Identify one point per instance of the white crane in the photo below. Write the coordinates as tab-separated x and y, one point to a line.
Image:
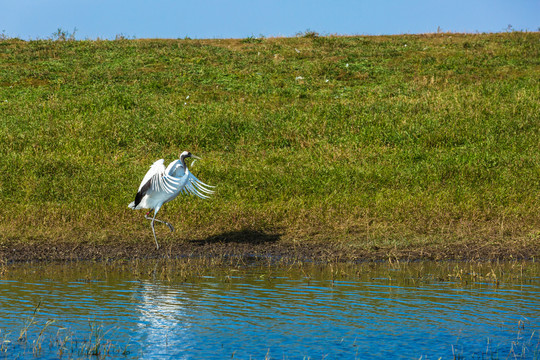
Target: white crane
161	185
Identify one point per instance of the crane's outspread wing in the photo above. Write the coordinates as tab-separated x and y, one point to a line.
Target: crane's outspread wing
155	168
161	185
196	187
156	182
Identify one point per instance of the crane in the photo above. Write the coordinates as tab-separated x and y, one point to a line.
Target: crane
161	185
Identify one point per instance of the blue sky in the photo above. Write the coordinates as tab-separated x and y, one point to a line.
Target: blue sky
33	19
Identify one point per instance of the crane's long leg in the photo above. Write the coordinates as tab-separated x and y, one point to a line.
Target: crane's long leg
161	221
153	230
152	224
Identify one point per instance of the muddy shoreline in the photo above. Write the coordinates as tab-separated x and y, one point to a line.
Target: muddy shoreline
268	247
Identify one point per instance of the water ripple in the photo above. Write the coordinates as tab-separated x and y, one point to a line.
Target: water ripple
253	315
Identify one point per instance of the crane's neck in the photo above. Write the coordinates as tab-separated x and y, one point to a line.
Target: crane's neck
177	168
183	161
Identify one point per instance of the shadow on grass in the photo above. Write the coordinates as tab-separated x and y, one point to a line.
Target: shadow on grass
242	236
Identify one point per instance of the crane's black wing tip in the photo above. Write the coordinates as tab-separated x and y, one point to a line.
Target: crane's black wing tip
142	192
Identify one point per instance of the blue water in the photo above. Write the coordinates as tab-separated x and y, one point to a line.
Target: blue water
260	312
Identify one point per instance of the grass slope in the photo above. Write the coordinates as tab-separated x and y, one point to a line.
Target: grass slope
395	141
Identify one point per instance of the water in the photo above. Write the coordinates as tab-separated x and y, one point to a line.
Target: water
186	310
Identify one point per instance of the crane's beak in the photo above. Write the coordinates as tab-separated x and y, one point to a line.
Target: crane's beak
195	157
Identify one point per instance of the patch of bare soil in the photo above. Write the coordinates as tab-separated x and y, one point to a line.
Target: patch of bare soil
256	245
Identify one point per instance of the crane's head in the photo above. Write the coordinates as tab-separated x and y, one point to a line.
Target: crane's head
187	154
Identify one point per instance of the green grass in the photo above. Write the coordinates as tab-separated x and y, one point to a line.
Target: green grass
395	140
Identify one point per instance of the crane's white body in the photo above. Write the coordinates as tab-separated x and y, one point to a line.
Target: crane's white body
161	185
168	183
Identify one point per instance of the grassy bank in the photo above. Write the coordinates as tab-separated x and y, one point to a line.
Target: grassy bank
374	142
